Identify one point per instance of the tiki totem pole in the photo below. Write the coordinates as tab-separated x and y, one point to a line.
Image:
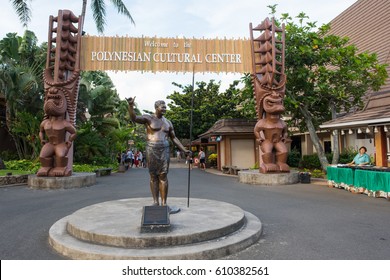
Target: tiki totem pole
61	80
269	82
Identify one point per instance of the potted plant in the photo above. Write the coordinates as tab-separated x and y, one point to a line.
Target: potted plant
212	160
305	176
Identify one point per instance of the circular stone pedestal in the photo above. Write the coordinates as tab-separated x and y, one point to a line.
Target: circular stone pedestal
254	177
208	229
77	180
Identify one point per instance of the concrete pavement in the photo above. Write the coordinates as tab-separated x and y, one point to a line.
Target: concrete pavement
301	221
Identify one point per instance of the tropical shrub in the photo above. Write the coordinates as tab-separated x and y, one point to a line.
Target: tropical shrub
347	155
23	165
293	158
212	159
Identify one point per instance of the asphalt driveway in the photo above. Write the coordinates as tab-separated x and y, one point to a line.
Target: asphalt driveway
300	222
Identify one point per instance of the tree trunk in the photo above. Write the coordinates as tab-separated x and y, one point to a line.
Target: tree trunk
84	8
335	133
314	137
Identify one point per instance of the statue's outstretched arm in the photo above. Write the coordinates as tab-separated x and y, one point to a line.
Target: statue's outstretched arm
133	116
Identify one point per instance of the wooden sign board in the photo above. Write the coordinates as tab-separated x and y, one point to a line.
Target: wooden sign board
165	54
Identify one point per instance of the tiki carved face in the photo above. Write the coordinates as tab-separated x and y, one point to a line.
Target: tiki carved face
273	103
55	104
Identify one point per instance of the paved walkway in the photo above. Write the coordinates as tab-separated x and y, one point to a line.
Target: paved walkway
181	164
300	221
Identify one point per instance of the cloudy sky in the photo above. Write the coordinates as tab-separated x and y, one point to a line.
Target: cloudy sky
171	18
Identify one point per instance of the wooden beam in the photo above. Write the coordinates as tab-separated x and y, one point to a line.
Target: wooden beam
380	147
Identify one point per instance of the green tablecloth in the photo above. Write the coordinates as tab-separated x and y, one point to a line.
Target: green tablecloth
340	175
372	180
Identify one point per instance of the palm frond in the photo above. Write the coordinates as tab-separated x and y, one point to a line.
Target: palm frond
22	10
122	9
98	8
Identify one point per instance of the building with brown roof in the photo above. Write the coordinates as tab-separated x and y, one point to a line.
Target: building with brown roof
236	143
366	24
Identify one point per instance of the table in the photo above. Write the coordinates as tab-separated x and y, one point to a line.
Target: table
370	182
341	175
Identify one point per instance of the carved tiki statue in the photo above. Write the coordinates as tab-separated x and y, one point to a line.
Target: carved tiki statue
61	80
269	83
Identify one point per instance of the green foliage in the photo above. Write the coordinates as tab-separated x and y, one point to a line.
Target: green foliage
25	127
23	165
31	167
23	11
293	158
108	128
310	162
210	105
99	12
99	138
324	70
326	75
89	144
8	155
92	167
246	102
4	172
317	173
347	155
212	159
21	66
84	167
255	167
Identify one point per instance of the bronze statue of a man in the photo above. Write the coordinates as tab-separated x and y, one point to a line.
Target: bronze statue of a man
158	130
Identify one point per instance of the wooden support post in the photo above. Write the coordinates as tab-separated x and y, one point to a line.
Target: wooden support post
380	147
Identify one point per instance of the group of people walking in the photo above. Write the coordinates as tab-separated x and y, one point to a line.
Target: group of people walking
201	158
130	159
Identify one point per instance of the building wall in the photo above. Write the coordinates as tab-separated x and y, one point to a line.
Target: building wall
237	151
222	154
243	152
351	141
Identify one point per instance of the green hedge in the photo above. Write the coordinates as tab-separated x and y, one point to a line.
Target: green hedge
312	161
33	166
23	165
293	158
347	155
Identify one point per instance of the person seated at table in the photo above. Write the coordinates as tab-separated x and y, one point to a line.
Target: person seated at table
361	158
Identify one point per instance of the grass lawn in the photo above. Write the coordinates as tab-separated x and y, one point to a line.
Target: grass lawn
4	172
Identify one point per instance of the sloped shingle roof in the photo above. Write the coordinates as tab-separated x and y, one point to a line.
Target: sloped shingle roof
376	111
366	24
231	126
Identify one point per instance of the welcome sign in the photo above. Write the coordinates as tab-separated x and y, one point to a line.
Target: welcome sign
165	54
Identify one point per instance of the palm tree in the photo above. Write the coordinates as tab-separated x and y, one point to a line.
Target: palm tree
22	10
21	65
98	8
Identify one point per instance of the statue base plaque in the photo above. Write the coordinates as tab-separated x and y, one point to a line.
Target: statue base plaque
155	219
